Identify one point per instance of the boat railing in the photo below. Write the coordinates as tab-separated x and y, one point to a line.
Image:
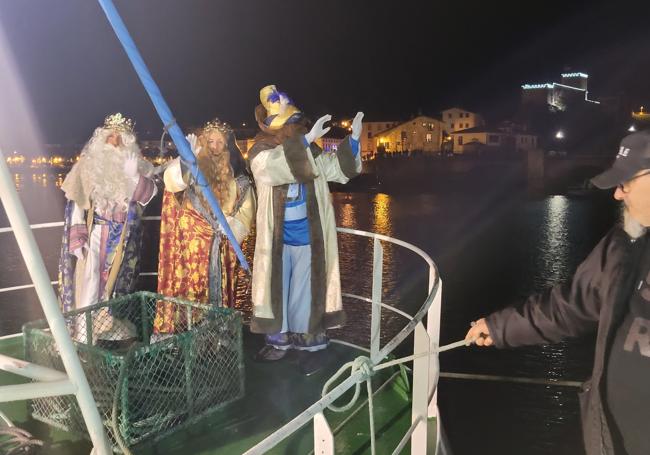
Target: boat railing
48	382
425	362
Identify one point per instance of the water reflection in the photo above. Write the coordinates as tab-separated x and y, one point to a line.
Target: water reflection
347	212
39	180
382	215
532	239
554	247
19	181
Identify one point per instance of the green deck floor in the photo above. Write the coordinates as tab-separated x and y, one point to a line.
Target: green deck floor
275	393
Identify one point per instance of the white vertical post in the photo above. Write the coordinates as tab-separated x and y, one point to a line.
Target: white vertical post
41	279
433	330
421	345
323	437
375	321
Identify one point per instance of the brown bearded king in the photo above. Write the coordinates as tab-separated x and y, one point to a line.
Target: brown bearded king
196	261
106	191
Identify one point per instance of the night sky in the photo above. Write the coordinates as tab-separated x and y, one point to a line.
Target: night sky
389	59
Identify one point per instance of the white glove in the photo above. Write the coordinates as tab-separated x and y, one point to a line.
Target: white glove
317	130
192	139
356	126
131	166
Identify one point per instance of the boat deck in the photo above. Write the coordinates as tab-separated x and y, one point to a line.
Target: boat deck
275	393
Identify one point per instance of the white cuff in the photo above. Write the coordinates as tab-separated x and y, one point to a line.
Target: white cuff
237	228
173	177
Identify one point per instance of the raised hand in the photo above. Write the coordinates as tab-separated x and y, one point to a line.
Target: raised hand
318	129
131	165
357	125
193	140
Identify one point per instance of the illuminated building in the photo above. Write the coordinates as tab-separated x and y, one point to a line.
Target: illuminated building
457	119
368	131
558	95
422	134
506	138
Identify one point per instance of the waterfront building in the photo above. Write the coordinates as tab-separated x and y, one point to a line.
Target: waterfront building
457	119
420	134
506	138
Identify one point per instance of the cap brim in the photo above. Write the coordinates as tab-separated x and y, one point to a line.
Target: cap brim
611	177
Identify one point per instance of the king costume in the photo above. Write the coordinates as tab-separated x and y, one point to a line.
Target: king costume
106	191
196	261
296	289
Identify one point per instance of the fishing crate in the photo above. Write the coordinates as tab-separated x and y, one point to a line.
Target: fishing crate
145	384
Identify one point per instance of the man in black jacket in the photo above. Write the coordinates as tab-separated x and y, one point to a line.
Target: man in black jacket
609	294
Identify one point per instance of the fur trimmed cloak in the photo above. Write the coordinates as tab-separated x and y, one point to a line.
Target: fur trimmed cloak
276	162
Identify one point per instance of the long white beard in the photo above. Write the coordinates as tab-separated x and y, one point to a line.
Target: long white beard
631	226
104	168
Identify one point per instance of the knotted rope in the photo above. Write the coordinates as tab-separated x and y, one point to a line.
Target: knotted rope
365	365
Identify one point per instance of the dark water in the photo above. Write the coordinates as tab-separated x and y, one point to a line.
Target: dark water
491	246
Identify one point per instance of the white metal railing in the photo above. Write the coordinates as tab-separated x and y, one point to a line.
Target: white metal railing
75	381
424	358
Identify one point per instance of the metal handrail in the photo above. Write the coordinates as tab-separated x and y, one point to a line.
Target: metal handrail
413	321
77	382
327	399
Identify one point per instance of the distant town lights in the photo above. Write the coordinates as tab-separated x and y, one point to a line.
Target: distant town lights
575	75
536	86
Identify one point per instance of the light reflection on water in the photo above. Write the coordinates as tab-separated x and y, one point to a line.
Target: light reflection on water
553	260
510	248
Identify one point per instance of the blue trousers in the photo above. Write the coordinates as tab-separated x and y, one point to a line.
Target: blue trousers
296	302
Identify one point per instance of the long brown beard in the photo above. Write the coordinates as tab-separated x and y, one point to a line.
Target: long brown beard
216	168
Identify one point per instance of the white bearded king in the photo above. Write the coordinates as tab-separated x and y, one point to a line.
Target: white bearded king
106	191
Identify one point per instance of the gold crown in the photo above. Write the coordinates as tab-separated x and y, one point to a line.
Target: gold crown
217	125
119	123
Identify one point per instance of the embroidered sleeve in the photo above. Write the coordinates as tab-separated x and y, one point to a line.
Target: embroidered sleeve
145	190
78	236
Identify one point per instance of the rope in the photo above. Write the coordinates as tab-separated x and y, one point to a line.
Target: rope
163	150
365	365
14	440
169	124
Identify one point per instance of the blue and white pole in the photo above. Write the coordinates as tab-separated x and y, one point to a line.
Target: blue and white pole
168	120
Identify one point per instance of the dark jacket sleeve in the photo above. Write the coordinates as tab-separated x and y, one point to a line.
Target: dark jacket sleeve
564	311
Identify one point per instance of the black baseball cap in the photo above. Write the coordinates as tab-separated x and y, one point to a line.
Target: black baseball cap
633	156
